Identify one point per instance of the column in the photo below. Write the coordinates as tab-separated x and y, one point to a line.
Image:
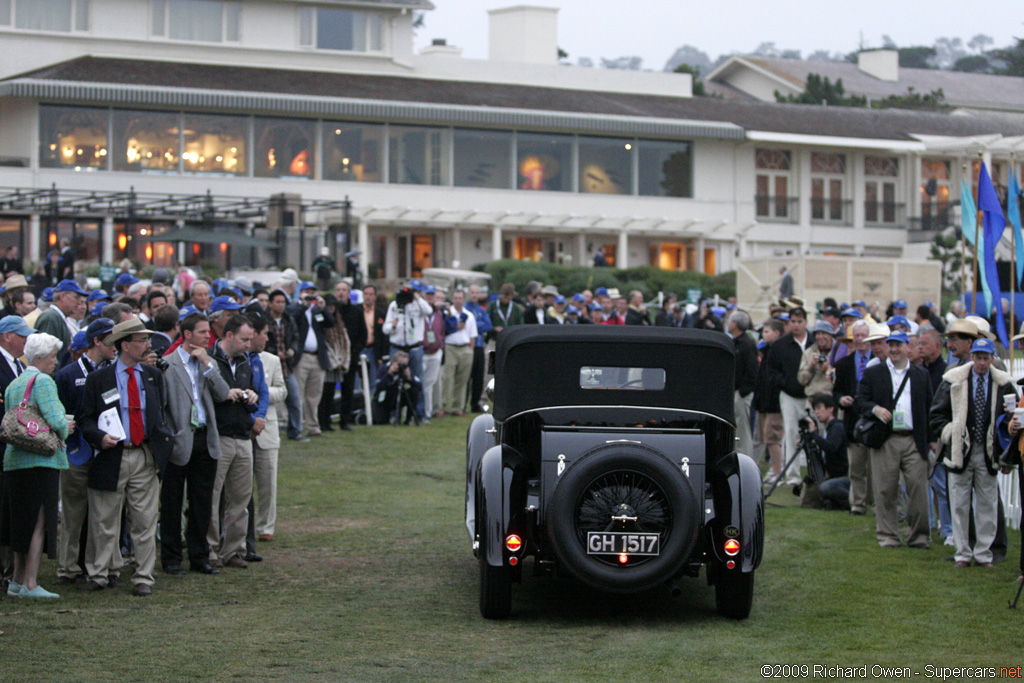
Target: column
803	182
580	258
858	194
456	242
622	252
107	239
700	254
497	243
32	253
363	237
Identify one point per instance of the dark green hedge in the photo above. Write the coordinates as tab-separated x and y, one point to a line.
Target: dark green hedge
571	279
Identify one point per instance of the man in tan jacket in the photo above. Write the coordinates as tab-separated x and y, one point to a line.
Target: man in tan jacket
815	373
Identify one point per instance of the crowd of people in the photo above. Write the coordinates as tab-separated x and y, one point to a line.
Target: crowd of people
171	398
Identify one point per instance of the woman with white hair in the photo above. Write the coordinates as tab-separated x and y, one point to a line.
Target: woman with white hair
28	514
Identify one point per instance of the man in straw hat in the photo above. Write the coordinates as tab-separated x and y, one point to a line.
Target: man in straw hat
15	284
123	418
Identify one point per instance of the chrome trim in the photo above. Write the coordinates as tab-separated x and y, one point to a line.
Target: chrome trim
591	407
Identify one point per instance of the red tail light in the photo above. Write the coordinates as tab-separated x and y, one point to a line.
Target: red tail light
623	558
513	542
732	547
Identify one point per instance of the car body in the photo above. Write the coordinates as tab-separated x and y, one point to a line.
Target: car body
610	455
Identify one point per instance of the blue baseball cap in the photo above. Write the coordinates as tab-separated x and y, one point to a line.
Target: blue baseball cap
851	313
899	336
572	310
898	320
983	345
730	306
306	284
47	295
429	289
125	279
185	311
224	303
823	326
97	294
929	304
559	299
416	284
98	328
601	291
784	317
355	296
79	341
69	286
579	298
594	306
860	302
16	324
761	344
718	311
97	310
899	303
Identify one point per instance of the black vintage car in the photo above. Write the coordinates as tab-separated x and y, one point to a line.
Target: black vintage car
610	455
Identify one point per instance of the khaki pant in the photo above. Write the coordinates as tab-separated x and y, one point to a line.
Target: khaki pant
792	412
310	377
265	468
234	481
741	407
986	496
458	364
139	487
74	503
769	432
861	495
899	454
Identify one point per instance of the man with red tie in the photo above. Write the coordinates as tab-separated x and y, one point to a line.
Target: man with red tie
127	397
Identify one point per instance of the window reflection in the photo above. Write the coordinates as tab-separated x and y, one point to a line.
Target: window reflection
72	137
418	156
544	162
666	169
214	144
145	141
284	148
353	152
483	159
606	166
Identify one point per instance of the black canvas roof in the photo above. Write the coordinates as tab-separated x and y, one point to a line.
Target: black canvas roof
538	366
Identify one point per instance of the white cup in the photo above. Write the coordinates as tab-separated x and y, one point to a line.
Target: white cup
1019	413
1010	401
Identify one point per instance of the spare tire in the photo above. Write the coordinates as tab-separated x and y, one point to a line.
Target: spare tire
629	481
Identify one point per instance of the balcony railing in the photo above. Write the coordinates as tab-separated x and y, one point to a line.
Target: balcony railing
775	209
885	214
831	211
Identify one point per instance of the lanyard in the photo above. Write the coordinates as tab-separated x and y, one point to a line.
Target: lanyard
506	314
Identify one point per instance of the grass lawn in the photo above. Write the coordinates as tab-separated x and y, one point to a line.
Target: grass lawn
370	577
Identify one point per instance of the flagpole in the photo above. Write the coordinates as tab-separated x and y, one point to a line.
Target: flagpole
963	248
977	254
1013	269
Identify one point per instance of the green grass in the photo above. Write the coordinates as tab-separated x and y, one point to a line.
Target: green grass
370	578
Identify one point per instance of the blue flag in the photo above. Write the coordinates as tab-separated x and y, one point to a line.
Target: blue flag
1013	215
994	224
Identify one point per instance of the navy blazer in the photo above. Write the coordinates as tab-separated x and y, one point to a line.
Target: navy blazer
6	377
106	466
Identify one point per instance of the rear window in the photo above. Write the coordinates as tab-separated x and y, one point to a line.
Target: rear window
622	379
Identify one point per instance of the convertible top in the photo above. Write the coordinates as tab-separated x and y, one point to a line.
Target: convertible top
538	366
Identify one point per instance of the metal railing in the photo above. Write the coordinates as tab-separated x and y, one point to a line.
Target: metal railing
776	209
885	214
831	211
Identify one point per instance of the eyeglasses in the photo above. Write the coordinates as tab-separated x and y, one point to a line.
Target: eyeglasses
138	341
963	337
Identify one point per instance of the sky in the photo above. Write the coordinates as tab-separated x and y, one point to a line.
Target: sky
653	29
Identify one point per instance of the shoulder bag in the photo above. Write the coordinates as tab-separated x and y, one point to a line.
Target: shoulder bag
871	431
26	429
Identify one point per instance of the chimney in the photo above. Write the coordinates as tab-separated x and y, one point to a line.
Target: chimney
883	63
524	33
440	47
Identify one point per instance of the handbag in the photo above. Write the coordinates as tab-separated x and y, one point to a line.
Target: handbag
871	431
26	429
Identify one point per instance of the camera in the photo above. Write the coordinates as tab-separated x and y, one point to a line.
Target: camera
402	367
161	365
822	357
404	297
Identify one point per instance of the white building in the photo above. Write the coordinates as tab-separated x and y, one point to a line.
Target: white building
241	128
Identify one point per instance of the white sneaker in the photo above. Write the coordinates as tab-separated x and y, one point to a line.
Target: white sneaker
37	592
15	589
948	541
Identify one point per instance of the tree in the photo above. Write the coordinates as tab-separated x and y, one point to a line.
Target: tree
1011	59
633	63
933	101
948	51
825	56
919	57
980	42
688	54
820	90
946	249
698	85
974	64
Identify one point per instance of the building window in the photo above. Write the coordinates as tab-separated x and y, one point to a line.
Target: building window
606	166
482	159
353	151
285	148
45	15
146	142
827	173
772	181
880	189
935	177
339	29
665	169
215	145
201	21
73	137
544	162
418	156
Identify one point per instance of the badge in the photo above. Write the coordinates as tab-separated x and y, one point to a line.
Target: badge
431	337
899	420
318	317
80	382
110	396
194	417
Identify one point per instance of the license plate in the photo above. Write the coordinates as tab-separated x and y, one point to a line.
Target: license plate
618	543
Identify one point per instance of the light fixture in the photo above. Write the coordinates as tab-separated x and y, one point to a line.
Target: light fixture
629	146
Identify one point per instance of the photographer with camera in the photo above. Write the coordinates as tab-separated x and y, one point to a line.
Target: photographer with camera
826	439
815	373
405	324
397	387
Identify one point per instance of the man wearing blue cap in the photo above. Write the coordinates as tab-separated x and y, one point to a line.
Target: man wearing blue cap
970	416
57	320
899	395
123	282
74	481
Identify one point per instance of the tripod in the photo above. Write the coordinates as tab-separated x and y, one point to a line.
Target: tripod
815	466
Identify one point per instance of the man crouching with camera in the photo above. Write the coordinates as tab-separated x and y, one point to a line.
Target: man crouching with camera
397	388
826	441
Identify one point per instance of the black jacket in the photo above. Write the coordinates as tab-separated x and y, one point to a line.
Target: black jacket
106	465
321	321
282	338
635	317
6	377
234	418
766	395
833	447
784	363
355	325
746	364
876	389
845	384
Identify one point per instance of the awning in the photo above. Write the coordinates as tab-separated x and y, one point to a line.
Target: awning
207	237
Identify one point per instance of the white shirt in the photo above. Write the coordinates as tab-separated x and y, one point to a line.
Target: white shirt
466	334
904	403
11	361
408	326
309	346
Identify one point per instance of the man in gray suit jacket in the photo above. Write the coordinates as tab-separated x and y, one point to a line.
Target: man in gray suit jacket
193	382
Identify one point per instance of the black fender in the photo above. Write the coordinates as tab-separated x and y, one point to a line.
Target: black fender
501	485
739	510
479	437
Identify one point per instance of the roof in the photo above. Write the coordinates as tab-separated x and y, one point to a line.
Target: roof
961	89
420	100
539	366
